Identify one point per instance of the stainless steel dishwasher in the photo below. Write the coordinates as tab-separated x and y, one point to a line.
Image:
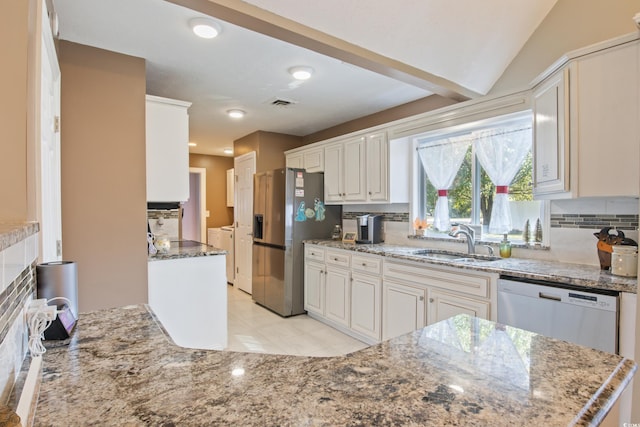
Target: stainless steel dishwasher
565	312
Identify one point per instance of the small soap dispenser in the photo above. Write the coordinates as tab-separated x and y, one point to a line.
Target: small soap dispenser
505	247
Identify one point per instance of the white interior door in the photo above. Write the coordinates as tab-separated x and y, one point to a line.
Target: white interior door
50	198
244	167
194	210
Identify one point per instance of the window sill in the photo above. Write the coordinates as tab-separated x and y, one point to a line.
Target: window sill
492	243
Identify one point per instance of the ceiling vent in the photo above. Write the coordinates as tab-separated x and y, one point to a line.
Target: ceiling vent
281	102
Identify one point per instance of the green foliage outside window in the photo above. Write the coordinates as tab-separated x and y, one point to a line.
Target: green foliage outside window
460	193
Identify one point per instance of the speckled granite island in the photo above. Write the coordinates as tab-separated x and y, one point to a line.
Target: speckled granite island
188	294
120	369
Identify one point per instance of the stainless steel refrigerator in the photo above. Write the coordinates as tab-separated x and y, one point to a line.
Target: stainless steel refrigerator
288	207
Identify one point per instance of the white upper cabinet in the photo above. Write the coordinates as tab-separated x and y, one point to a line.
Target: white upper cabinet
167	149
550	131
312	160
586	126
294	161
333	175
361	168
345	171
354	170
377	167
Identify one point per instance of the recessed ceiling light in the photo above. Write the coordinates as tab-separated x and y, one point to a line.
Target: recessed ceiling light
236	114
301	73
228	151
205	28
192	144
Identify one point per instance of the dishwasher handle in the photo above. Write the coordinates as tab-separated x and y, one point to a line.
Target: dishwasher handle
542	295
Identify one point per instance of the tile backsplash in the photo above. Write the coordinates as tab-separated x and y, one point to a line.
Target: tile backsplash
18	257
572	224
13	329
621	222
387	216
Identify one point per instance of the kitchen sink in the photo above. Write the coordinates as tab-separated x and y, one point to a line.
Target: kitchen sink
453	256
437	255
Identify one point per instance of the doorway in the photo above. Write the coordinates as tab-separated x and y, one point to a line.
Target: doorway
49	197
194	217
244	168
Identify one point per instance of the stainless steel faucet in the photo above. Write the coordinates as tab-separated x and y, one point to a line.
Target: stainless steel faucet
470	233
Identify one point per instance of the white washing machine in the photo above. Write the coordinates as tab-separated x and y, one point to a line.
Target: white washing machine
214	236
223	238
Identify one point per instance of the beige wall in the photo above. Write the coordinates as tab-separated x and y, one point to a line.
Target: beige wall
269	148
405	110
103	174
216	166
14	39
570	25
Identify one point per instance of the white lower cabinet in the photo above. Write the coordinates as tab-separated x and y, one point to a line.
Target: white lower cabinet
443	305
403	309
372	298
416	295
337	292
366	304
314	282
342	295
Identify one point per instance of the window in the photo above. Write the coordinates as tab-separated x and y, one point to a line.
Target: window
479	174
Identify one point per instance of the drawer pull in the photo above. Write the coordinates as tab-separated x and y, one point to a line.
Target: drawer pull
364	264
335	259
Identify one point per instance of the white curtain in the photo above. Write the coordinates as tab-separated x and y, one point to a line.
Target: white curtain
441	161
501	153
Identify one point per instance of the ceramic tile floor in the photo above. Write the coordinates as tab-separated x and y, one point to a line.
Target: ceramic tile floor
252	328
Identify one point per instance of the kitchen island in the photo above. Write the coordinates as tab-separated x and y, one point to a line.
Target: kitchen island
188	294
119	368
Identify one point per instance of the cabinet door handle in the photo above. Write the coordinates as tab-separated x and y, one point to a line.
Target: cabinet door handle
430	299
421	298
369	192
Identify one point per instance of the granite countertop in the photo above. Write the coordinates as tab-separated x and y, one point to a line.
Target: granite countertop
120	369
14	232
187	249
588	276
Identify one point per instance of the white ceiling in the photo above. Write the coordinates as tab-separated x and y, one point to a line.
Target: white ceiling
466	41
